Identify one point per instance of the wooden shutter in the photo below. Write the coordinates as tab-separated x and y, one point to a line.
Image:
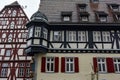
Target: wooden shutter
63	64
110	65
95	67
43	64
76	64
56	64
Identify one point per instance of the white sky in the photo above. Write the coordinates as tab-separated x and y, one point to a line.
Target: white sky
32	5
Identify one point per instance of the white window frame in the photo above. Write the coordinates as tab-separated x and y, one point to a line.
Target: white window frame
117	65
102	68
57	36
50	64
69	64
96	36
71	35
82	36
106	36
37	32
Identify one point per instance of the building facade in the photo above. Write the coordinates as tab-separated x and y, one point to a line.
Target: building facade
14	64
75	40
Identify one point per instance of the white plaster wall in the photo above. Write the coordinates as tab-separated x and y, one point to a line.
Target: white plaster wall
85	68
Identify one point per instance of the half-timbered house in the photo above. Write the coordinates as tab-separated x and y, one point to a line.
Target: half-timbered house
75	40
14	64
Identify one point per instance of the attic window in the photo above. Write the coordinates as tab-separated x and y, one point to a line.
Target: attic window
116	16
82	7
84	16
66	16
114	7
103	19
102	16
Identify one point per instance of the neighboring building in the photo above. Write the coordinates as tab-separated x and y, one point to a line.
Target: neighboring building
14	64
75	40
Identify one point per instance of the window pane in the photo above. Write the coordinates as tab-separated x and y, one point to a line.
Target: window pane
57	36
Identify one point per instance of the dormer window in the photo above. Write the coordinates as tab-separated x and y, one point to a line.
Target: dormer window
101	16
84	16
103	19
116	16
114	7
82	7
66	16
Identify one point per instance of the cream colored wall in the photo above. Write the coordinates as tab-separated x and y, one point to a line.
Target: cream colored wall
85	68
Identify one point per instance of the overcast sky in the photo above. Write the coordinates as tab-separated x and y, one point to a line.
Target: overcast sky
32	5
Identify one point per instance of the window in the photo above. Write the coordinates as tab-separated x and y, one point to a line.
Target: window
117	64
14	13
50	64
101	16
45	32
101	65
103	19
107	64
84	18
12	25
106	36
82	7
8	52
96	36
71	35
37	32
4	22
10	38
24	35
81	36
69	64
4	70
30	32
24	70
57	36
114	7
66	16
